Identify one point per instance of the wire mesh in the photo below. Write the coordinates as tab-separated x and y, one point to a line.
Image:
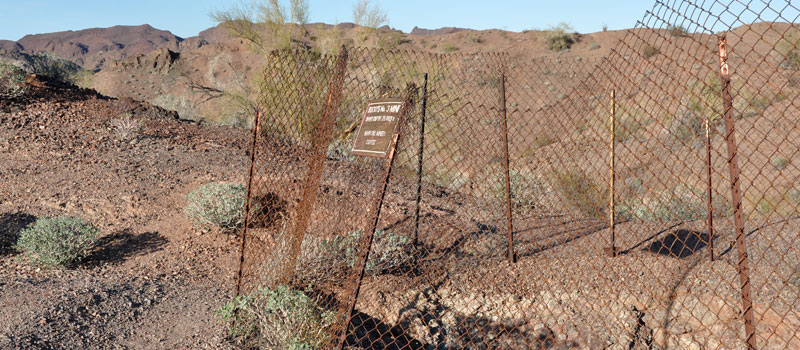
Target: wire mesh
646	200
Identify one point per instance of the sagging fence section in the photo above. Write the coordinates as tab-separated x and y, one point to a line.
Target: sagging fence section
650	199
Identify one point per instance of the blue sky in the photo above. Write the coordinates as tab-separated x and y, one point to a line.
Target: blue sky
187	17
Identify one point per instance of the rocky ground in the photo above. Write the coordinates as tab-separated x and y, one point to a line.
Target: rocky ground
152	281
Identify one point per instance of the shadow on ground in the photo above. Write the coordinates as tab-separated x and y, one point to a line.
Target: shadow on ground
10	226
120	246
679	243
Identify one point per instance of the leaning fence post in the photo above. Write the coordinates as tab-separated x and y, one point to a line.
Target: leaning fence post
736	195
368	236
504	115
322	137
247	204
612	251
421	157
710	203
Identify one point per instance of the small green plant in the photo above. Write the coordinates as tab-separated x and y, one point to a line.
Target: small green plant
448	47
779	162
677	31
544	140
278	318
580	193
217	205
594	46
475	38
527	191
12	81
679	203
389	250
57	242
789	48
560	37
648	51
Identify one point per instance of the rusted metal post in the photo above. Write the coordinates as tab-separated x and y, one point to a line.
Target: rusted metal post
504	115
612	224
256	128
710	199
421	157
369	234
736	195
322	137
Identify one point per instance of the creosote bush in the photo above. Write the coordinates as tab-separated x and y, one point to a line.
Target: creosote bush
677	31
279	318
217	205
560	37
12	81
649	51
580	193
57	242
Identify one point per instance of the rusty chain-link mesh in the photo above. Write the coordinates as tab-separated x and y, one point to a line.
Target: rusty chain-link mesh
648	200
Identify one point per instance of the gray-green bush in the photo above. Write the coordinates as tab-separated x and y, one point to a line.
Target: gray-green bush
57	242
389	251
679	203
217	205
279	318
12	81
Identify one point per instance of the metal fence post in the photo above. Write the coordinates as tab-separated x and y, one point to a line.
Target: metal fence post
322	137
421	157
504	115
736	195
256	128
710	199
612	251
369	234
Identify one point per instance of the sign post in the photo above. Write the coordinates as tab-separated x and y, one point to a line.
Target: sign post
377	137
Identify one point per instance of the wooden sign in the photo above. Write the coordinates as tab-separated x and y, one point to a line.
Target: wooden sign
378	127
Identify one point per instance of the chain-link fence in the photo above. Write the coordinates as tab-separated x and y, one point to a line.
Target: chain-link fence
648	200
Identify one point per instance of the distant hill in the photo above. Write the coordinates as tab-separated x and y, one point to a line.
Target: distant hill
93	48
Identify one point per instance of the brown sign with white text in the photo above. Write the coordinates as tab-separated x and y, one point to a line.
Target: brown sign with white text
378	127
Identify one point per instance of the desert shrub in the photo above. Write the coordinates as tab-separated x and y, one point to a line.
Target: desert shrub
630	122
594	46
448	47
677	31
217	205
648	51
580	193
789	48
779	162
388	252
57	242
679	203
277	318
12	81
475	38
55	67
527	191
560	37
125	126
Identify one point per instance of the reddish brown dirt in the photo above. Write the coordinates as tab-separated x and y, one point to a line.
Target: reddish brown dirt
152	281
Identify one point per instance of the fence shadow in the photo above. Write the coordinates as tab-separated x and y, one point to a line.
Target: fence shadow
680	243
122	245
10	226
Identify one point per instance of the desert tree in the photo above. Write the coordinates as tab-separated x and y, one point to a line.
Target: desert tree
367	17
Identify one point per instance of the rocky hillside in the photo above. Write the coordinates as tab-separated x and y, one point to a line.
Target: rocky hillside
93	48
